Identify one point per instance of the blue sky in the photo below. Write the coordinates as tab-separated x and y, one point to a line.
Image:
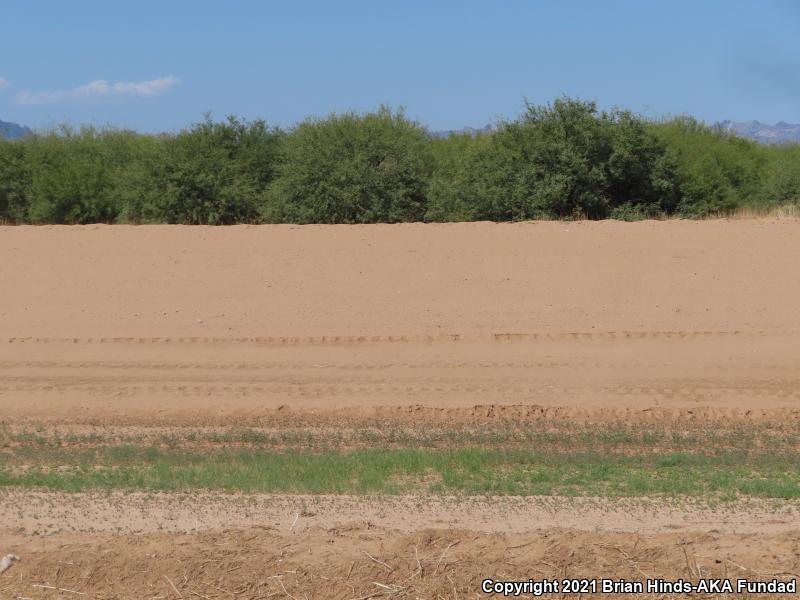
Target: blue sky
160	65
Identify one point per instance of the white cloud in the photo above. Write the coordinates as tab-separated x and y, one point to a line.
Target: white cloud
100	89
4	83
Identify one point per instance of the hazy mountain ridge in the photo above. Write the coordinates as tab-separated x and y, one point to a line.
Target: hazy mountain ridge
780	133
12	131
464	131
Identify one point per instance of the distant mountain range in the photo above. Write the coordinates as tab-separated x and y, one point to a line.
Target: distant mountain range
463	131
780	133
12	131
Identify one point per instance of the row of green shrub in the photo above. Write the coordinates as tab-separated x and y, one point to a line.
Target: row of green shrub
563	160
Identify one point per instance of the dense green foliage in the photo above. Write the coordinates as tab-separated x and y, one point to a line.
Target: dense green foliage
717	172
352	169
563	160
77	177
213	173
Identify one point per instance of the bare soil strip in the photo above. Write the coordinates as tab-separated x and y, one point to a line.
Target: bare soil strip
472	279
227	379
46	513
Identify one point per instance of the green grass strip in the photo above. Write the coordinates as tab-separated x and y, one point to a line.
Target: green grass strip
459	471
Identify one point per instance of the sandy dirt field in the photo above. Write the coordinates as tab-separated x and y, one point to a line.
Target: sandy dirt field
153	328
195	322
